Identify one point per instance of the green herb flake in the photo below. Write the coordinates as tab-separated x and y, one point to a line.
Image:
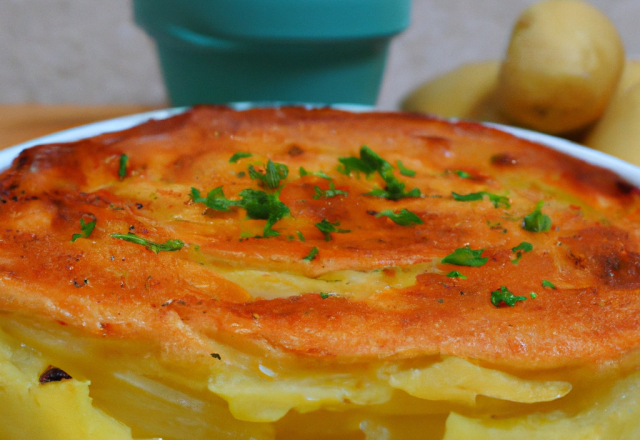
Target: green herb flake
327	228
370	162
498	201
215	199
328	193
404	170
167	246
463	174
321	174
216	356
312	254
533	295
524	246
456	274
258	204
85	230
403	218
549	284
537	221
503	295
122	170
262	206
274	173
300	236
466	257
324	295
520	249
239	155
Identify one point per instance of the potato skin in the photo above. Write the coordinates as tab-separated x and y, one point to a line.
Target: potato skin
630	77
467	92
618	131
116	289
562	66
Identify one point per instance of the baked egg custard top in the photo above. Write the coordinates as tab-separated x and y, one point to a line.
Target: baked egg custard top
326	235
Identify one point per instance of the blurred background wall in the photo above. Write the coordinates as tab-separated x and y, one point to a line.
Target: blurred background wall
90	52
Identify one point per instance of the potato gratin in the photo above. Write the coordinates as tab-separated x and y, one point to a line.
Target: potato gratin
316	274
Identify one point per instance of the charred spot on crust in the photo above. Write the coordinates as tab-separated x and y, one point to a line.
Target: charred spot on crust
625	187
504	159
295	150
53	374
22	162
604	252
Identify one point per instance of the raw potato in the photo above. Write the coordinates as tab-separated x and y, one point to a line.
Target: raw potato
466	92
618	131
630	77
562	66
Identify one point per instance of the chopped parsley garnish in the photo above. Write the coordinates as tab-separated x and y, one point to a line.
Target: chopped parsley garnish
239	155
403	218
258	204
312	254
327	228
497	200
324	295
300	236
404	170
533	295
262	206
394	192
304	172
522	247
369	162
85	230
456	274
216	356
503	295
549	284
215	199
466	257
328	193
122	170
167	246
462	174
274	173
537	221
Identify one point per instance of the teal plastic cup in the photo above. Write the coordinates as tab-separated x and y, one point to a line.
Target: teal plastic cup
318	51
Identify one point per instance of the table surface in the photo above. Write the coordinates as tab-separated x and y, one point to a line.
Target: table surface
22	122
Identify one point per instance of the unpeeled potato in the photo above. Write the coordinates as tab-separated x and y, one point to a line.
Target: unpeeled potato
630	76
467	92
455	93
561	67
618	131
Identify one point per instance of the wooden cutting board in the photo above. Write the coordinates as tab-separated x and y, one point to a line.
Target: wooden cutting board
22	122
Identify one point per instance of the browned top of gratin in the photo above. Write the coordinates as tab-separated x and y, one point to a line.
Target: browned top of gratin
304	204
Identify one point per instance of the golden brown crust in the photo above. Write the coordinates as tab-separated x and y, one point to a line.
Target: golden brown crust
115	288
